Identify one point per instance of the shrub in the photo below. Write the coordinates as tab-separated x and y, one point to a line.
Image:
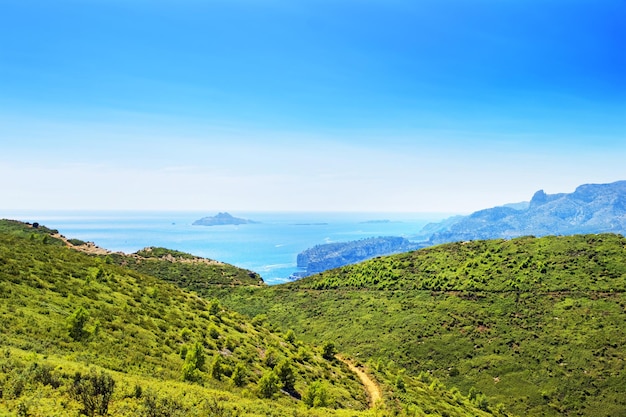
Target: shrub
284	371
239	375
214	307
329	351
213	332
153	406
185	334
93	391
271	358
217	369
194	363
290	336
400	384
268	385
316	395
76	323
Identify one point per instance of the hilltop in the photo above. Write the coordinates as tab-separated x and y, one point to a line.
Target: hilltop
535	324
84	334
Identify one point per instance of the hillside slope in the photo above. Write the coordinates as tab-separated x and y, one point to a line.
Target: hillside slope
537	324
81	335
82	312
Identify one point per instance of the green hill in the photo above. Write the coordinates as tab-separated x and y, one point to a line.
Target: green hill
185	270
82	335
537	324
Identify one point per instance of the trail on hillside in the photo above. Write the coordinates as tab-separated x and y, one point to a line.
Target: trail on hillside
373	389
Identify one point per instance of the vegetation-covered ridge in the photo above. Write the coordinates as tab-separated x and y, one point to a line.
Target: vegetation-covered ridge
81	335
181	268
185	270
553	263
535	324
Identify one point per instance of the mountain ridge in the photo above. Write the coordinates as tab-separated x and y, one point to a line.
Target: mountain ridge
591	208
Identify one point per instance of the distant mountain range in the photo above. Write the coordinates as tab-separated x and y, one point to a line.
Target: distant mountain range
591	208
221	219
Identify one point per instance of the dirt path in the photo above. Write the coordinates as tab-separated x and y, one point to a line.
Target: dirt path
373	389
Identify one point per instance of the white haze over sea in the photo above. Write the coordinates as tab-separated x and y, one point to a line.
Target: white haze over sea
269	248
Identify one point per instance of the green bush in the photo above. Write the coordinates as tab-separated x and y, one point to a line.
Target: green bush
316	395
93	392
268	385
76	323
239	375
194	363
217	369
329	351
284	371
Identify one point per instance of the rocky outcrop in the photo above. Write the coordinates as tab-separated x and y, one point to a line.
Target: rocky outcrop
333	255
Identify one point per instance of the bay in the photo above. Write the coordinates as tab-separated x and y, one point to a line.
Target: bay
269	248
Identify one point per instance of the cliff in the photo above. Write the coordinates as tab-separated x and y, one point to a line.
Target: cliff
332	255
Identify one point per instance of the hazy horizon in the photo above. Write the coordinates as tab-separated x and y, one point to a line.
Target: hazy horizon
381	106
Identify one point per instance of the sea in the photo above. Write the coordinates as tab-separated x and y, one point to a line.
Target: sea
269	247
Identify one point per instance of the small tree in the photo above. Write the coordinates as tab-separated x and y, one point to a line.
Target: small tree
284	371
268	385
271	358
328	351
76	323
316	395
239	375
217	370
194	363
214	307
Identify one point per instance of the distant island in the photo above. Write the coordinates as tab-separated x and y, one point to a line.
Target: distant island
222	219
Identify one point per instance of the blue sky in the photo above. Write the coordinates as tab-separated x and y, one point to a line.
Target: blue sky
372	105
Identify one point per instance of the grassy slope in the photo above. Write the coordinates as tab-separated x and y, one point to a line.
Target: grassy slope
137	331
536	324
138	325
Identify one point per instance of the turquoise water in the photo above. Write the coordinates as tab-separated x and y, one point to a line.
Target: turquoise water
269	248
